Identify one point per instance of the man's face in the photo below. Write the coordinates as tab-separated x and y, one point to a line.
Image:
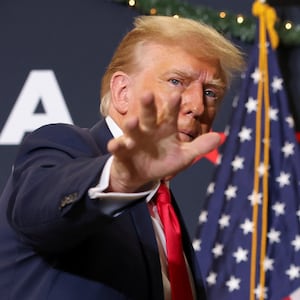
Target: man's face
164	70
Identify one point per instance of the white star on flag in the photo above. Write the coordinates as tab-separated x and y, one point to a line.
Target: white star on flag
211	279
247	226
210	188
296	243
245	134
256	75
268	264
273	236
238	163
261	292
290	121
224	221
197	244
203	217
277	84
251	105
240	255
233	283
278	207
283	179
218	250
262	169
255	198
293	272
288	149
230	192
273	114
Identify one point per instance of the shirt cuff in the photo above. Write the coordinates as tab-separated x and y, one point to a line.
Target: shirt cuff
98	190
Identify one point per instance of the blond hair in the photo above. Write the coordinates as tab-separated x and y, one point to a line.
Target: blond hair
201	40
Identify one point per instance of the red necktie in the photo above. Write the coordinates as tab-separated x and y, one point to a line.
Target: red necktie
178	274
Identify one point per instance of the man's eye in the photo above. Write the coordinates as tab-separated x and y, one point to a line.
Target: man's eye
175	81
210	94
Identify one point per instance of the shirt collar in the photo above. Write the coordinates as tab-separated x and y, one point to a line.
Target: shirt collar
113	127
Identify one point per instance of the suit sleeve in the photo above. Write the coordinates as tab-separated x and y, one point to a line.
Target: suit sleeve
50	207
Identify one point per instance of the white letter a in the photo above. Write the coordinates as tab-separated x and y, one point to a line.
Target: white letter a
41	87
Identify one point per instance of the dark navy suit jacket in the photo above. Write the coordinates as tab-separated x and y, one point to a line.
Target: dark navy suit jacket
58	244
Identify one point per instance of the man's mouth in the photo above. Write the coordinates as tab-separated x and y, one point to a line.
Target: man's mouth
187	136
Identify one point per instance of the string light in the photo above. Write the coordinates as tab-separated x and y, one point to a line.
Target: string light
131	3
153	11
222	14
288	25
240	19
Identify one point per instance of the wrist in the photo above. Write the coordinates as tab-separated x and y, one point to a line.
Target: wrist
124	181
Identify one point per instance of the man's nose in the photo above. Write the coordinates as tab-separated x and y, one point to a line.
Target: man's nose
193	100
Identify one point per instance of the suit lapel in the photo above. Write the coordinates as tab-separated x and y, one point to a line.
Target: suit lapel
102	135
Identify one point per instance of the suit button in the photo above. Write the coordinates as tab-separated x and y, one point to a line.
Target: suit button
68	199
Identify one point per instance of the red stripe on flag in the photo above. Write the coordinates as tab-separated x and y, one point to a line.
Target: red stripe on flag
212	156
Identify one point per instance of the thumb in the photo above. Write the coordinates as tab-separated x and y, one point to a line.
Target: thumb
206	143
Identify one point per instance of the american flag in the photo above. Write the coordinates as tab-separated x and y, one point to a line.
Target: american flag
248	237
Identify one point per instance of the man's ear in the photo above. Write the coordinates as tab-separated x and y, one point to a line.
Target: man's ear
119	87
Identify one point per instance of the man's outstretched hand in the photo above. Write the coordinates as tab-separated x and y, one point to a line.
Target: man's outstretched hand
150	148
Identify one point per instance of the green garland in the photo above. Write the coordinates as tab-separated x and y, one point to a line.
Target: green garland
234	26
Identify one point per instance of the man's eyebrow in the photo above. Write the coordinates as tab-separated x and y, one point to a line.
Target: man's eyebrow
217	82
180	73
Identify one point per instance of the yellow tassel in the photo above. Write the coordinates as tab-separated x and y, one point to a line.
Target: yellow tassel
269	17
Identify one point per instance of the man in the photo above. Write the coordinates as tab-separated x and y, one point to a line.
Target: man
78	216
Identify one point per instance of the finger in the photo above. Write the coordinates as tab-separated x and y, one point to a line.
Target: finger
148	113
120	144
131	127
170	109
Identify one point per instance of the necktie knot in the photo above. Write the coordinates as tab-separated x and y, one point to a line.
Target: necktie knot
163	194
